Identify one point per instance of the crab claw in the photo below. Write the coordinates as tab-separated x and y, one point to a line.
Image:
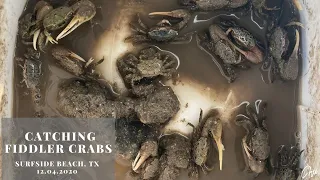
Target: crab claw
217	137
179	13
256	166
35	39
148	148
214	126
59	52
83	14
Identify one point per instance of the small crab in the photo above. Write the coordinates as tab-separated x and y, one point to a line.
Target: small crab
73	63
140	73
133	137
288	161
148	149
31	69
27	26
260	5
30	23
149	169
55	19
164	31
91	99
255	143
288	69
245	39
209	5
32	72
216	42
174	156
209	127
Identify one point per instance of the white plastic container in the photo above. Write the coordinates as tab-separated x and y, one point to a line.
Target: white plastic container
309	92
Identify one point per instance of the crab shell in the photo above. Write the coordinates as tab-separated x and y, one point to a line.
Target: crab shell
57	18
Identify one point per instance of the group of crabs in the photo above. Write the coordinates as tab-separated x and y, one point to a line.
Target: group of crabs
149	106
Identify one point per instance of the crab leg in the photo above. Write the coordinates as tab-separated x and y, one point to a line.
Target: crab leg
149	148
35	39
50	39
67	52
83	15
74	55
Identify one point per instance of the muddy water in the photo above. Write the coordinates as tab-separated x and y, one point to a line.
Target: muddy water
196	66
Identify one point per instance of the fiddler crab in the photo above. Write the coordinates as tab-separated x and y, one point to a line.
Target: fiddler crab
259	6
132	136
31	72
47	19
286	68
164	160
288	162
86	98
255	143
74	63
208	132
216	42
141	72
164	31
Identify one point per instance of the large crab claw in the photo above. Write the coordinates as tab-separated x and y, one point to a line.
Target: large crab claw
59	52
84	10
148	148
179	13
213	126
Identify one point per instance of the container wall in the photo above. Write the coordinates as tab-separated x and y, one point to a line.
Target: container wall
309	102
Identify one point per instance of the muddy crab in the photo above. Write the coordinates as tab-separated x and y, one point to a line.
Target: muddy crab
173	156
164	31
141	73
47	19
91	99
286	68
73	63
208	132
216	42
31	72
288	161
133	137
255	143
209	5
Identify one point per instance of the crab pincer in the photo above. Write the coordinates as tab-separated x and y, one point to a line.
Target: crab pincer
148	148
72	62
178	14
84	11
213	126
